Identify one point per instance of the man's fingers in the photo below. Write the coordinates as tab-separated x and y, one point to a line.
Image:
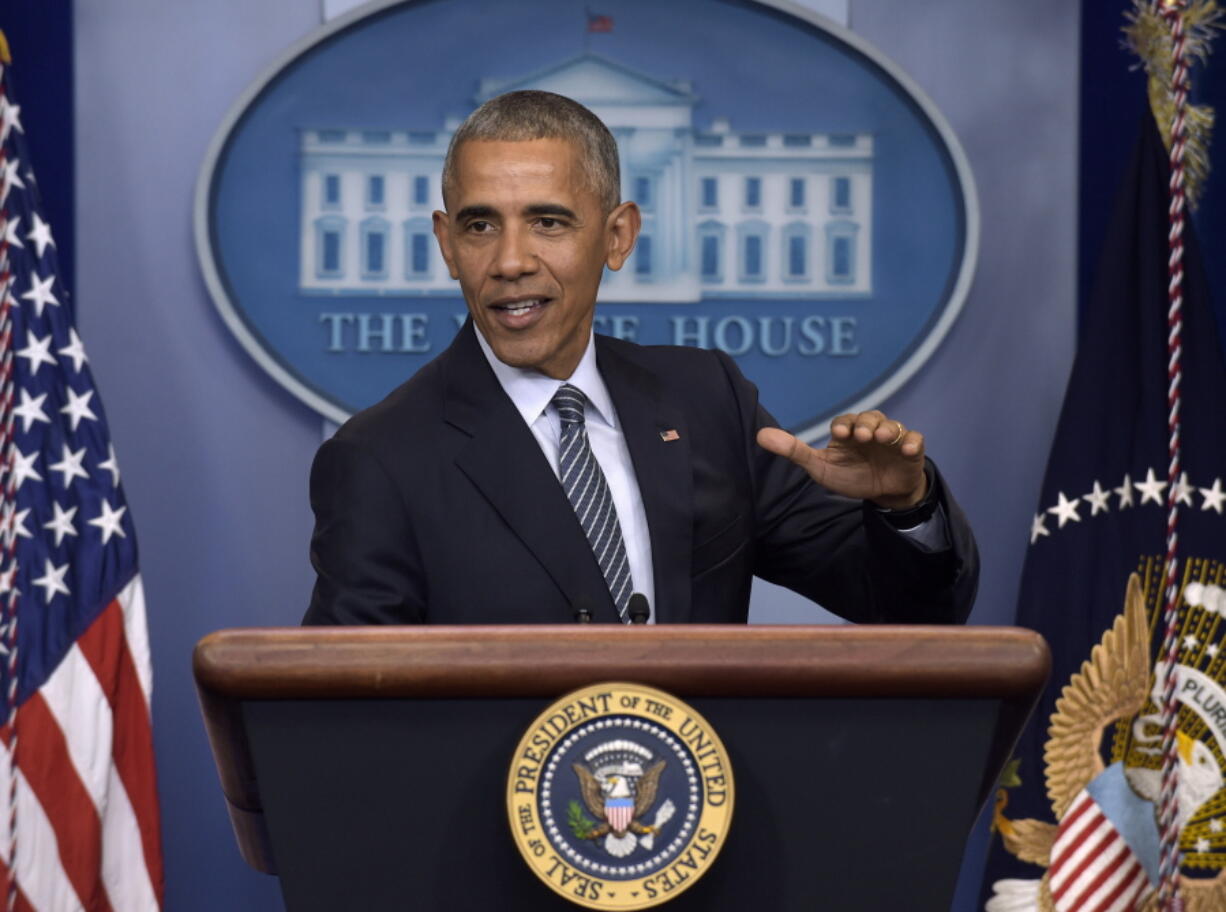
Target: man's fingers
781	443
841	427
912	443
869	425
863	426
890	432
873	426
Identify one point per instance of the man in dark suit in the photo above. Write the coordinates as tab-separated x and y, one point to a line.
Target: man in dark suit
442	503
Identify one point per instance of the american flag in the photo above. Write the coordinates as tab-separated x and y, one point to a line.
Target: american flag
80	823
598	23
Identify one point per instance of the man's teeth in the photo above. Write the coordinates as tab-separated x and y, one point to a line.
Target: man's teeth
520	307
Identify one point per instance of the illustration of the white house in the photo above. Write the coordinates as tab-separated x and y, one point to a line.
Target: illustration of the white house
725	213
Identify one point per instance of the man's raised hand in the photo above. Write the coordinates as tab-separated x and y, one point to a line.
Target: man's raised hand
870	457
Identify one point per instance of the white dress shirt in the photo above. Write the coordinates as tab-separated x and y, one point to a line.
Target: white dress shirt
532	392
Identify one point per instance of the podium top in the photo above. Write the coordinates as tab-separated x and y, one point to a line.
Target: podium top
698	660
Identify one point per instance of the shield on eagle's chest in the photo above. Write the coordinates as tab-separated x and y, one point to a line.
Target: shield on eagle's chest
619	812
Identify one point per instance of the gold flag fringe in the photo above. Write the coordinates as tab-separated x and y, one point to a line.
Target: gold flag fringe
1148	36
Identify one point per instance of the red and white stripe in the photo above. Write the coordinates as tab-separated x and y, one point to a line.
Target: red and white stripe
1092	867
87	789
619	817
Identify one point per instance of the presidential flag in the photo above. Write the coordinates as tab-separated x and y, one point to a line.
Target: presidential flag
1074	825
79	828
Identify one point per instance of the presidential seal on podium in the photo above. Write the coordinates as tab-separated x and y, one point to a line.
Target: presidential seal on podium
620	796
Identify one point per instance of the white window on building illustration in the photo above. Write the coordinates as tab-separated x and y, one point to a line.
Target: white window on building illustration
841	252
751	248
331	195
374	248
417	240
753	193
374	191
796	194
711	251
840	194
644	193
329	247
421	190
643	252
795	249
708	193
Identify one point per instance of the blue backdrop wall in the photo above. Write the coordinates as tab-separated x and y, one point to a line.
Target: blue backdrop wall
215	456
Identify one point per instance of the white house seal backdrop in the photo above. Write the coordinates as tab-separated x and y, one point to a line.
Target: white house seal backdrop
805	208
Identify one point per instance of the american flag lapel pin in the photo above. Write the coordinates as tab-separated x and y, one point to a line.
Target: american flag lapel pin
669	435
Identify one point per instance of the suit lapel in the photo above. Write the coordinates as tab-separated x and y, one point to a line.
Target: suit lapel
662	468
503	460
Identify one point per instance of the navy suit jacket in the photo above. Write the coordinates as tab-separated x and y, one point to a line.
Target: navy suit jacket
436	505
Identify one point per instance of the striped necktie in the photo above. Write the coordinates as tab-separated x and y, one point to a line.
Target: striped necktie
589	494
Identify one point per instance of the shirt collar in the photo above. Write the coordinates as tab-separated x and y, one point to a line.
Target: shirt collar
531	391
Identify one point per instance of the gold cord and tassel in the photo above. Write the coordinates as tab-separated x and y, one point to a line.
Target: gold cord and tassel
1148	35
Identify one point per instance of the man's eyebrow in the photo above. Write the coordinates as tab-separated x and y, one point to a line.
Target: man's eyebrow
475	212
549	209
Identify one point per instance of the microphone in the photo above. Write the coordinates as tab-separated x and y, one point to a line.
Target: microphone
583	610
638	609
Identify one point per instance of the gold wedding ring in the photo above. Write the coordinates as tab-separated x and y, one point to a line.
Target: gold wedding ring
901	432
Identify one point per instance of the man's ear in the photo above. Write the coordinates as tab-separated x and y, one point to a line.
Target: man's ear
622	230
442	234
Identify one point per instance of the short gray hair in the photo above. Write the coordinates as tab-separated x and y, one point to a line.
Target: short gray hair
530	114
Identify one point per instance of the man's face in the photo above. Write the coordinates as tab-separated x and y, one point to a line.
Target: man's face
526	236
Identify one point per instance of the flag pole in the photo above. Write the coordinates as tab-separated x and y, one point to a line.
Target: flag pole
1168	823
8	507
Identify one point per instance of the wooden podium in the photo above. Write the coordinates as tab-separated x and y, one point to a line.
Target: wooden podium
367	767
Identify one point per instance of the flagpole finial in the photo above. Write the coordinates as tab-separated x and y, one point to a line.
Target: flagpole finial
1148	34
5	56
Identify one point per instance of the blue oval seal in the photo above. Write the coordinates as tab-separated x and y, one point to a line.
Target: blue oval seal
806	208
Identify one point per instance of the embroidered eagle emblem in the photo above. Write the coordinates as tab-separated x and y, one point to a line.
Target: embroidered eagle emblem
1115	686
619	799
